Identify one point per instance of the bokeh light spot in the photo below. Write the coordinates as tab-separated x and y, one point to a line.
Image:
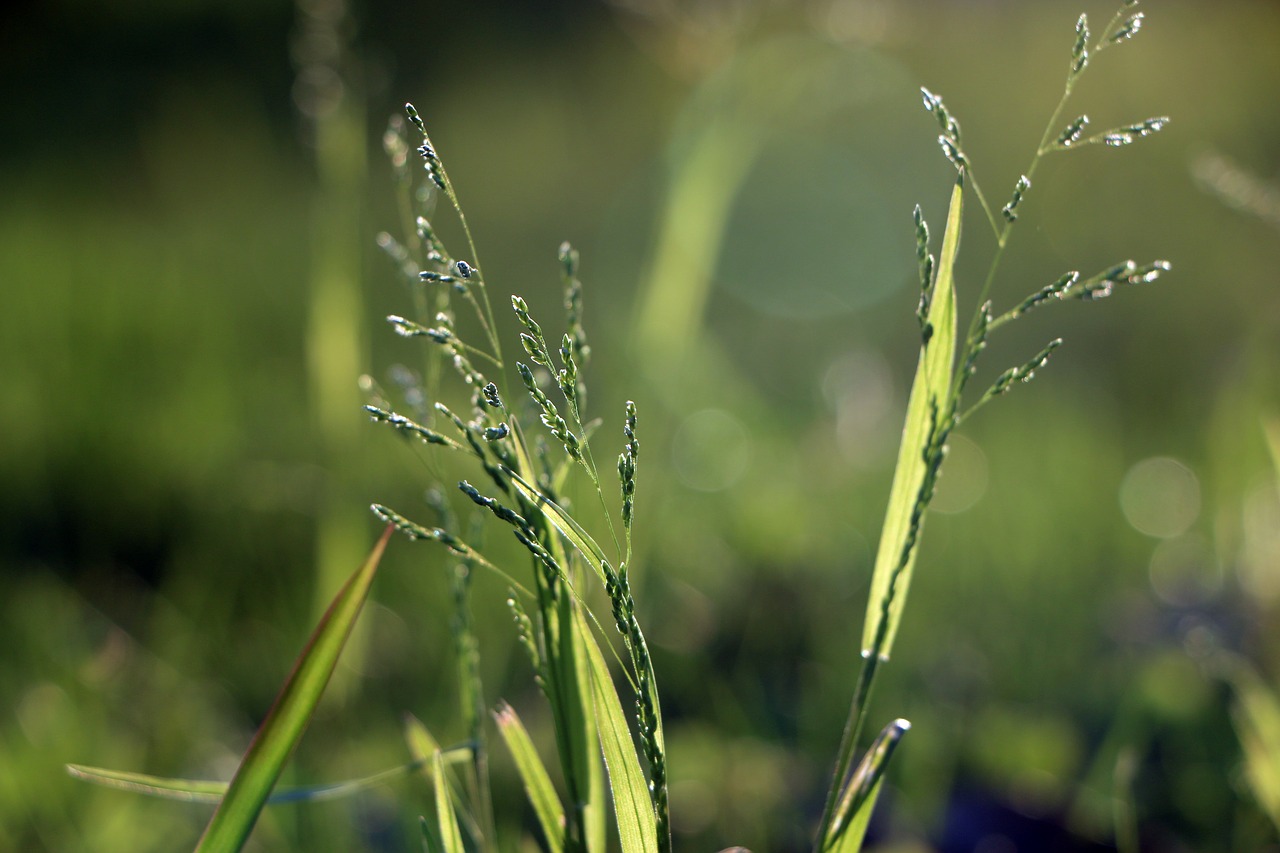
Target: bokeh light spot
1160	497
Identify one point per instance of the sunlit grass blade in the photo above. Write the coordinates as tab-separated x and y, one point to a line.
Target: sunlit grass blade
280	731
183	790
576	706
564	522
210	791
422	744
1256	715
447	821
1271	429
930	392
859	798
534	776
637	827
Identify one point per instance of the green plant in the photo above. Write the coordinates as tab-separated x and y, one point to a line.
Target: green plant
935	407
527	488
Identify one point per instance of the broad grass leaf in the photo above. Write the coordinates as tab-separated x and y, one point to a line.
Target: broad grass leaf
534	776
637	825
931	388
280	731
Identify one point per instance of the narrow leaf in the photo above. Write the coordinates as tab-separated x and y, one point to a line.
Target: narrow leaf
859	799
450	834
210	791
422	744
637	828
930	391
1256	715
562	521
580	721
537	782
280	731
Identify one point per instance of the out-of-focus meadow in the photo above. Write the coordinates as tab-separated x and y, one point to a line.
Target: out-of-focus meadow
190	286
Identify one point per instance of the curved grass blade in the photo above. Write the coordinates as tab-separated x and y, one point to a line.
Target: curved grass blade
859	798
930	391
210	791
637	826
280	731
537	782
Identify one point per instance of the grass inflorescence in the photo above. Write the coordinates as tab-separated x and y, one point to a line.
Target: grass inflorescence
526	447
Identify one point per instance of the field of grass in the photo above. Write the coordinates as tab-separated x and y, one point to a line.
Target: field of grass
190	287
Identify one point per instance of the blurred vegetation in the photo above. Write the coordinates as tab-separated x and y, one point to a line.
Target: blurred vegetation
173	460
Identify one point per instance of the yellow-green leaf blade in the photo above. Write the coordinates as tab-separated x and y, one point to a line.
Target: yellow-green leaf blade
447	821
930	390
637	826
210	791
1255	712
563	522
849	827
184	790
283	727
534	776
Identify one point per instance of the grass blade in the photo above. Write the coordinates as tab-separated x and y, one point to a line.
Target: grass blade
447	821
637	826
859	799
422	744
283	727
930	391
562	521
210	791
1255	713
579	725
184	790
537	782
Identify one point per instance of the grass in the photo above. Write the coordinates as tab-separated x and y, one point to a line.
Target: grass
525	488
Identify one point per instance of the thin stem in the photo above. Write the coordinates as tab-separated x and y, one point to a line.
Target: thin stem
486	315
982	200
1002	240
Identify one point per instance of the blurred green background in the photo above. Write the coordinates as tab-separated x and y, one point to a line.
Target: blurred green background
190	286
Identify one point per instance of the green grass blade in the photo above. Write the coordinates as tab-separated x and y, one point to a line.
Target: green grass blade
562	521
210	791
184	790
637	826
537	782
580	724
422	744
1255	714
931	387
280	731
447	821
430	837
859	798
